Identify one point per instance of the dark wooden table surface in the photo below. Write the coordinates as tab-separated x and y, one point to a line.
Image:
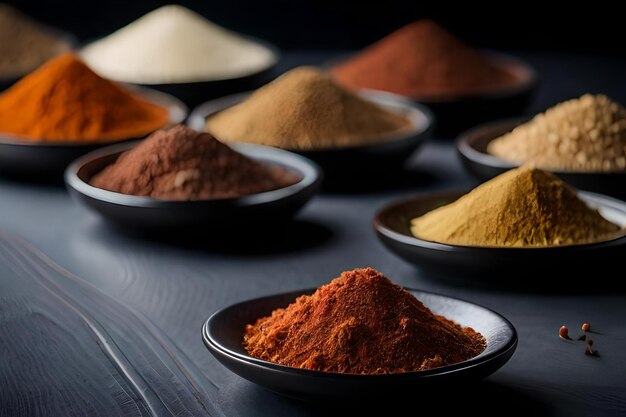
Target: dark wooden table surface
119	334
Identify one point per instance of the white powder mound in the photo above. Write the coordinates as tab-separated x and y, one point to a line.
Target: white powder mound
172	44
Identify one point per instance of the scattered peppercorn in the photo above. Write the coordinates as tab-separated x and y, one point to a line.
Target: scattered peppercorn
582	337
586	327
564	333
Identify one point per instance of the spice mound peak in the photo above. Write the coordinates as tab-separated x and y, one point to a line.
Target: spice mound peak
182	164
583	134
173	44
360	323
304	109
424	60
522	207
66	101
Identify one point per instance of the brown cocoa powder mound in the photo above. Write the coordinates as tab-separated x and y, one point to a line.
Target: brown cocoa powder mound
360	323
423	60
182	164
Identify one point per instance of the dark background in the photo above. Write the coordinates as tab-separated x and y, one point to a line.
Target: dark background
335	24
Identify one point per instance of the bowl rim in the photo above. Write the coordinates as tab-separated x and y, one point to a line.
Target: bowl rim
382	229
248	360
420	129
529	83
177	110
311	177
465	146
272	48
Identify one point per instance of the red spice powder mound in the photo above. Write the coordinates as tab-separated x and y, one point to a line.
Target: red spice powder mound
360	323
423	60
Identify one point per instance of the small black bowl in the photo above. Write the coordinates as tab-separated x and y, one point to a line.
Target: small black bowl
195	93
136	213
392	225
472	147
223	332
43	160
343	163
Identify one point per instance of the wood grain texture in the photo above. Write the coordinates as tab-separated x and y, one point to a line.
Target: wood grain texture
68	349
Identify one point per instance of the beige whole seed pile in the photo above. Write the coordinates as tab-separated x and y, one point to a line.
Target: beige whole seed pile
584	134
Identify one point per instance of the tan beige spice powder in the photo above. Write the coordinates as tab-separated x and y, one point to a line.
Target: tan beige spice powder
305	109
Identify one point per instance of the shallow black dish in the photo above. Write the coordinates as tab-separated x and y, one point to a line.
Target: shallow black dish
392	225
341	164
35	160
147	214
194	93
222	334
472	147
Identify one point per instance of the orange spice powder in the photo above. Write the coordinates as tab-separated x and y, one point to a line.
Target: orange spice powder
64	100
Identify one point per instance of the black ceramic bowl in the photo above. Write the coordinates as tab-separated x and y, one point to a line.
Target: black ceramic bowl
223	336
137	213
472	147
346	162
43	160
194	93
558	263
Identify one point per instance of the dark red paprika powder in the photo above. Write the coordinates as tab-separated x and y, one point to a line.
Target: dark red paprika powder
360	323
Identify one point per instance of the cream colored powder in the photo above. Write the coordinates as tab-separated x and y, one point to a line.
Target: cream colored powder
174	45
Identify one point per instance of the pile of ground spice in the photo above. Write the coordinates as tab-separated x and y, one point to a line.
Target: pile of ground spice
24	44
423	60
521	208
182	164
65	101
305	109
584	134
360	323
172	44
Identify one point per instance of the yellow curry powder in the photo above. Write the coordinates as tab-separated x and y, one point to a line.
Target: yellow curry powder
520	208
